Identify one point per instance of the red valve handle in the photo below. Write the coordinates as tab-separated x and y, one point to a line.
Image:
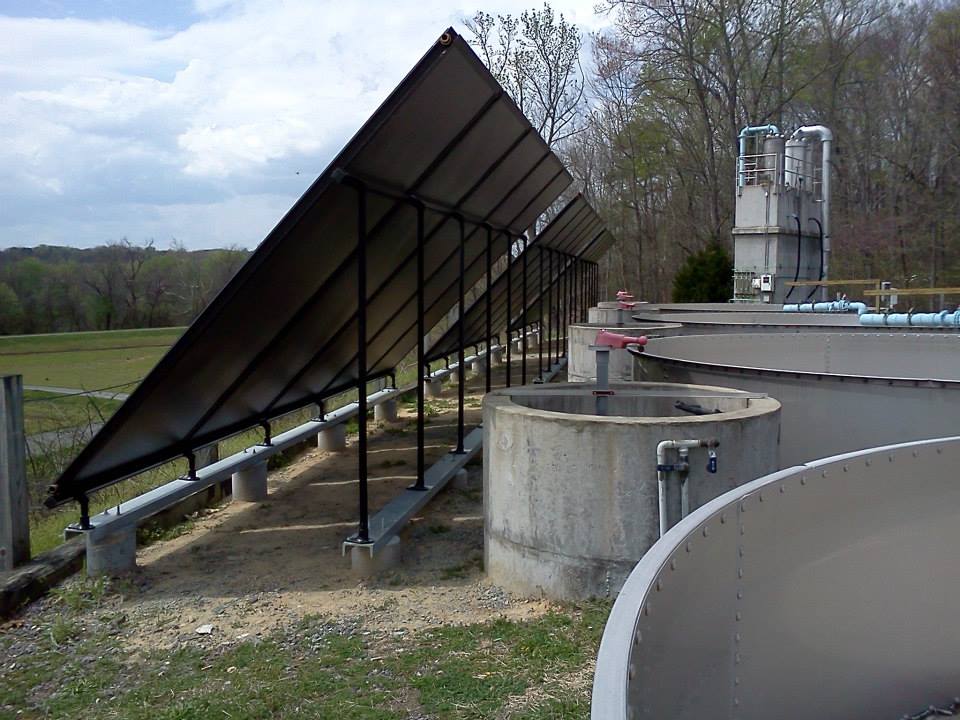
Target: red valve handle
626	305
618	341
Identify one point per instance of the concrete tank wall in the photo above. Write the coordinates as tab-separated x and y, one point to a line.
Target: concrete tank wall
822	591
570	498
582	361
840	391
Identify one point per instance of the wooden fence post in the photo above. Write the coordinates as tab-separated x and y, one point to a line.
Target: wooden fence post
14	496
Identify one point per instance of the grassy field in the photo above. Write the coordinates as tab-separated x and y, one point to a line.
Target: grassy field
47	412
71	661
85	360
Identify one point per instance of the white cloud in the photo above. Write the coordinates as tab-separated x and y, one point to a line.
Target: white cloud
134	122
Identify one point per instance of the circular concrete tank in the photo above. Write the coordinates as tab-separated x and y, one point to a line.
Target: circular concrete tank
582	361
571	497
840	391
706	323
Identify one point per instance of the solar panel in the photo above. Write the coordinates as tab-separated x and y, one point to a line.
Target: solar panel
282	333
577	229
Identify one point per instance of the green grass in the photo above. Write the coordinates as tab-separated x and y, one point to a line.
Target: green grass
85	360
43	412
70	663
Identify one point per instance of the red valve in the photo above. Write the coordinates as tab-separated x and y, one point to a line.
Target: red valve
624	295
618	341
626	305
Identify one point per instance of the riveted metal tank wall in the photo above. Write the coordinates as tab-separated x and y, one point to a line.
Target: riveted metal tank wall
571	497
822	591
840	391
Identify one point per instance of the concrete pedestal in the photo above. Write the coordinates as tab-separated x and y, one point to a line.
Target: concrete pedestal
433	387
461	480
518	345
250	485
114	554
365	565
385	411
496	356
333	438
478	365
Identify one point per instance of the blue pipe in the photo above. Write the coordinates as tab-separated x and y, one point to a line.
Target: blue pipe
944	318
835	306
744	134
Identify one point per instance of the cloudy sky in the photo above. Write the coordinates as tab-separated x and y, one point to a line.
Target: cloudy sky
195	120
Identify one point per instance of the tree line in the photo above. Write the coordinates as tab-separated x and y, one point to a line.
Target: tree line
652	139
115	286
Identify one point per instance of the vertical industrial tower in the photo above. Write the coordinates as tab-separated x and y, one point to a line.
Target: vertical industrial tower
782	225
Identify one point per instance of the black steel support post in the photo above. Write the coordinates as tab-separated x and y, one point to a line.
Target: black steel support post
489	328
563	308
523	317
509	302
541	335
363	530
461	370
423	369
550	309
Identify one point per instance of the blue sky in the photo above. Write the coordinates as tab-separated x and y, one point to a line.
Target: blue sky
200	121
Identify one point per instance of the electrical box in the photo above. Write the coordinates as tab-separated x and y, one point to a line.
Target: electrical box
766	283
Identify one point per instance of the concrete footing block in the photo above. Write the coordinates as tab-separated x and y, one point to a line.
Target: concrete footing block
250	485
433	387
478	365
113	554
461	480
385	411
496	356
518	345
333	438
386	558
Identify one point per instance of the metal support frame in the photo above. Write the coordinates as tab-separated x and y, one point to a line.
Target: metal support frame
489	329
540	322
523	314
550	341
509	303
363	529
461	370
423	368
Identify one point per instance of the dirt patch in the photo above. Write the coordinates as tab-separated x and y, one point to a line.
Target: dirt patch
246	570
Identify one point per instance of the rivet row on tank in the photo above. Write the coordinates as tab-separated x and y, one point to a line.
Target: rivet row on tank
659	587
846	468
916	453
646	609
736	637
890	458
739	594
736	701
743	507
739	572
739	617
632	672
740	550
736	681
723	518
687	547
637	638
783	489
706	531
760	496
824	474
939	451
673	564
803	480
736	658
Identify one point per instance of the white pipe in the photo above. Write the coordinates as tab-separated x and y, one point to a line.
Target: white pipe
826	141
662	448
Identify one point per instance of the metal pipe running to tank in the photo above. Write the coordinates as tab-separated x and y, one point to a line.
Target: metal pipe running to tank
825	136
944	318
744	134
663	468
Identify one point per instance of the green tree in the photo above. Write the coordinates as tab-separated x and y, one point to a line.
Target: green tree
11	313
705	276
